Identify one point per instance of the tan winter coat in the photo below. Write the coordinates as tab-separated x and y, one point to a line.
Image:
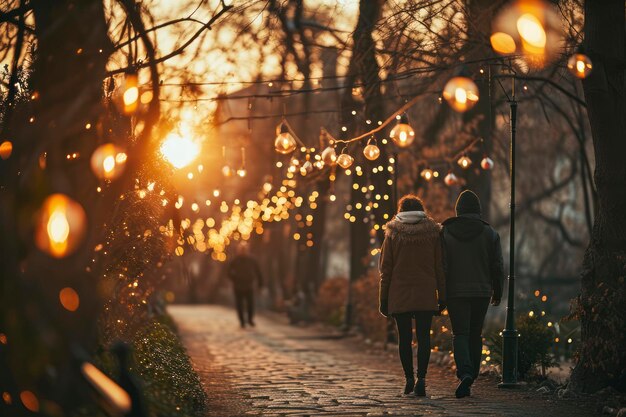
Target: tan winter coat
411	269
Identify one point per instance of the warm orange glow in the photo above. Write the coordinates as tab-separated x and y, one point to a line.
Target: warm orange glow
69	299
30	401
502	43
371	152
113	393
580	65
107	161
464	162
344	160
285	143
179	151
6	148
532	33
461	93
61	225
402	134
329	156
130	94
427	174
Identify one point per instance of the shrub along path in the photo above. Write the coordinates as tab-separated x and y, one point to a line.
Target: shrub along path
279	370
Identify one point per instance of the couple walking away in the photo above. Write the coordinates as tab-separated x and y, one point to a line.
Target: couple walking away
425	268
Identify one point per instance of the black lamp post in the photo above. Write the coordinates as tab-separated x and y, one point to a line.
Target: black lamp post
510	334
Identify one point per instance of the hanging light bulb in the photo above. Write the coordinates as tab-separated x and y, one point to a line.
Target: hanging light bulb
319	164
107	161
464	162
450	179
371	151
284	143
329	156
306	168
461	93
242	170
529	28
6	148
216	192
486	163
427	174
61	225
130	93
579	65
227	171
344	160
402	133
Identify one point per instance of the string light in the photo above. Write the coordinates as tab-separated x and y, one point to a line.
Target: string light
371	151
486	163
402	134
329	156
61	225
130	94
460	93
464	162
580	65
108	161
450	179
427	174
285	142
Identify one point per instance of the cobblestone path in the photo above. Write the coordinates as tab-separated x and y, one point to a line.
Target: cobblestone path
281	370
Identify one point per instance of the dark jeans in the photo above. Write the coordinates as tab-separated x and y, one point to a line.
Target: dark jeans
467	315
404	322
245	297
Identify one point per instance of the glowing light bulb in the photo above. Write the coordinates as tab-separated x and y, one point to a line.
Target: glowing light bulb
329	156
344	160
285	142
371	152
179	151
579	65
61	225
427	174
460	93
108	161
464	162
503	43
130	95
402	134
532	33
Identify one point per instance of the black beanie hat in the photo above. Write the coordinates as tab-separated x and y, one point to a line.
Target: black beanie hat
467	203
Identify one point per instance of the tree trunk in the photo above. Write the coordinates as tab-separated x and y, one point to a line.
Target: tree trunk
600	305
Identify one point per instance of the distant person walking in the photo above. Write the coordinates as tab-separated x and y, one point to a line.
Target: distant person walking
245	274
412	284
474	276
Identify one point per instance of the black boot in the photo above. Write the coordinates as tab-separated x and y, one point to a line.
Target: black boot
420	388
463	389
408	388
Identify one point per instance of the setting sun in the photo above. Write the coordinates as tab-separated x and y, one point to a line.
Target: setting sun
179	151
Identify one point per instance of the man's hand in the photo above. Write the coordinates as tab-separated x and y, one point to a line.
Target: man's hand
495	301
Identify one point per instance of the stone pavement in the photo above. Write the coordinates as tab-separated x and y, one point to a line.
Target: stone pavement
281	370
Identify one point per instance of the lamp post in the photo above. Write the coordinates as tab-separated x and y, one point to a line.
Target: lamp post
510	334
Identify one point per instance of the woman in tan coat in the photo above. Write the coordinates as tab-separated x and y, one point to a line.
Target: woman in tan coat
412	284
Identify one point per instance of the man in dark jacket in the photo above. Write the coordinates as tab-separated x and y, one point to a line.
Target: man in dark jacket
244	272
474	276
